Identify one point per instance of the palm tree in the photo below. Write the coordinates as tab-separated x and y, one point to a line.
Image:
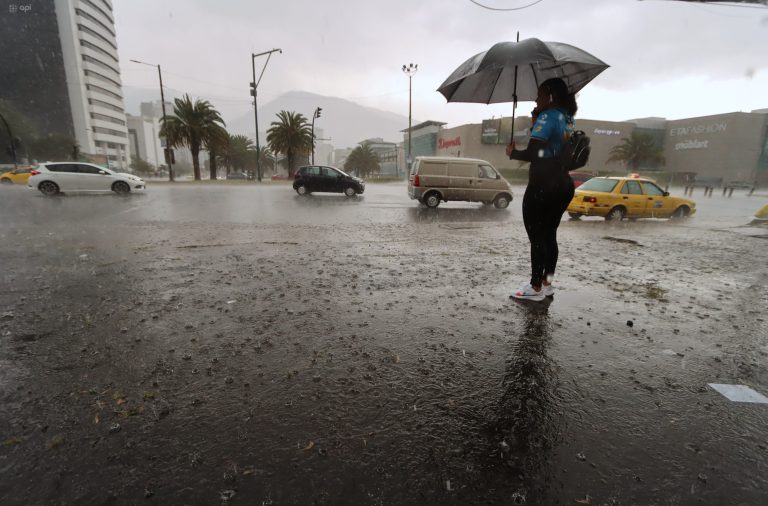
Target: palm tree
190	126
639	149
239	152
215	141
292	136
363	160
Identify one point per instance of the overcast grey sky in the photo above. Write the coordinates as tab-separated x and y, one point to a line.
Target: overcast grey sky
669	59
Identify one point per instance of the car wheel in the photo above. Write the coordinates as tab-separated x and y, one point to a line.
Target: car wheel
121	188
616	214
575	216
5	180
302	190
48	188
680	213
432	200
350	192
501	202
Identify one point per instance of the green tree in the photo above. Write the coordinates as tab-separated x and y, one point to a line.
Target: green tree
363	160
215	141
190	125
238	153
292	136
52	148
637	150
142	167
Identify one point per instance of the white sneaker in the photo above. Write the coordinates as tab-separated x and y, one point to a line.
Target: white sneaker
528	293
548	290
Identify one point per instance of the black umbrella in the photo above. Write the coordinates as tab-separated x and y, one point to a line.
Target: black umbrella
512	71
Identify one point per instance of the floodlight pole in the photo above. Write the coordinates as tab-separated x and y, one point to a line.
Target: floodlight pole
167	148
410	70
254	86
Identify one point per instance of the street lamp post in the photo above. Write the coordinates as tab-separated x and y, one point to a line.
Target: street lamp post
254	86
410	70
316	114
13	142
166	148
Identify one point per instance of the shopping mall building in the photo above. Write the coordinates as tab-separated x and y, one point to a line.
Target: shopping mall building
732	147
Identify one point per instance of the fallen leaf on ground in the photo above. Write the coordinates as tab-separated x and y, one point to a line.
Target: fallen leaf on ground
309	446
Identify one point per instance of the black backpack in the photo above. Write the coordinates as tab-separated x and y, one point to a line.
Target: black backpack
575	152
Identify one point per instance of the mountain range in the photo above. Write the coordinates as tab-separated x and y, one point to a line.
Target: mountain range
344	122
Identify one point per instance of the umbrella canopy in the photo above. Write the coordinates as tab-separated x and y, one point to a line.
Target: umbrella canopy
513	71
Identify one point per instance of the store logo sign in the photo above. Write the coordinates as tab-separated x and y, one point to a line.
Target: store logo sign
698	129
445	144
692	144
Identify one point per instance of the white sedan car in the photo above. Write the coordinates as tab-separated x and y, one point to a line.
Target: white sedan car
55	177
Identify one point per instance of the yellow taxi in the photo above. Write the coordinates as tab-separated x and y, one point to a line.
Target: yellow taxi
16	176
616	198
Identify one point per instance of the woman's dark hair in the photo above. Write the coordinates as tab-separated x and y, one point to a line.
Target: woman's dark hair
559	91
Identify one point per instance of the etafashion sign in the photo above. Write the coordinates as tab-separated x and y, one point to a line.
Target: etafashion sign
712	128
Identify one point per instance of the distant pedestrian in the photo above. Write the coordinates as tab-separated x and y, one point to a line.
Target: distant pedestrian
550	187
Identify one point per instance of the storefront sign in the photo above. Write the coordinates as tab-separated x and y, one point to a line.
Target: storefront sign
698	129
445	144
497	131
692	144
603	131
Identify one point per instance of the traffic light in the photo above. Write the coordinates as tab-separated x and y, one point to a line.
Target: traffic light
318	111
253	89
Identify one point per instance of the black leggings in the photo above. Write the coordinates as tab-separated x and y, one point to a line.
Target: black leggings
543	205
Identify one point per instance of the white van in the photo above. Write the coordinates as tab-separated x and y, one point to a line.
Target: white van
442	178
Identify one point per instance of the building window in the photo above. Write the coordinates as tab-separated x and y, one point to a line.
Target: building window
92	19
107	105
99	63
111	145
104	117
93	87
109	131
96	48
94	33
103	13
91	73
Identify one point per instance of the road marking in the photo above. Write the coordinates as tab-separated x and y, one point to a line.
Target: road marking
739	393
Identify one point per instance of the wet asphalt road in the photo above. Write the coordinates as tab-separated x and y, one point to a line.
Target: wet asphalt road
241	345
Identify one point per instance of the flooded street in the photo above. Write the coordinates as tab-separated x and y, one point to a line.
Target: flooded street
243	345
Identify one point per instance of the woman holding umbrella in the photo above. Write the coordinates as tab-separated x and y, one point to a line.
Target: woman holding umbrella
550	188
551	72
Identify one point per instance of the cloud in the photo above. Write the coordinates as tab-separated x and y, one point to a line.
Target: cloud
354	50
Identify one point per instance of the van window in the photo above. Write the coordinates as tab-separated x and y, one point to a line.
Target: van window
432	168
463	170
487	172
415	167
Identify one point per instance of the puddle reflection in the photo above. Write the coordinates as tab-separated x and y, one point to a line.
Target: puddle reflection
528	416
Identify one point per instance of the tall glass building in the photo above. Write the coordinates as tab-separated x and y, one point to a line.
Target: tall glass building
61	73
